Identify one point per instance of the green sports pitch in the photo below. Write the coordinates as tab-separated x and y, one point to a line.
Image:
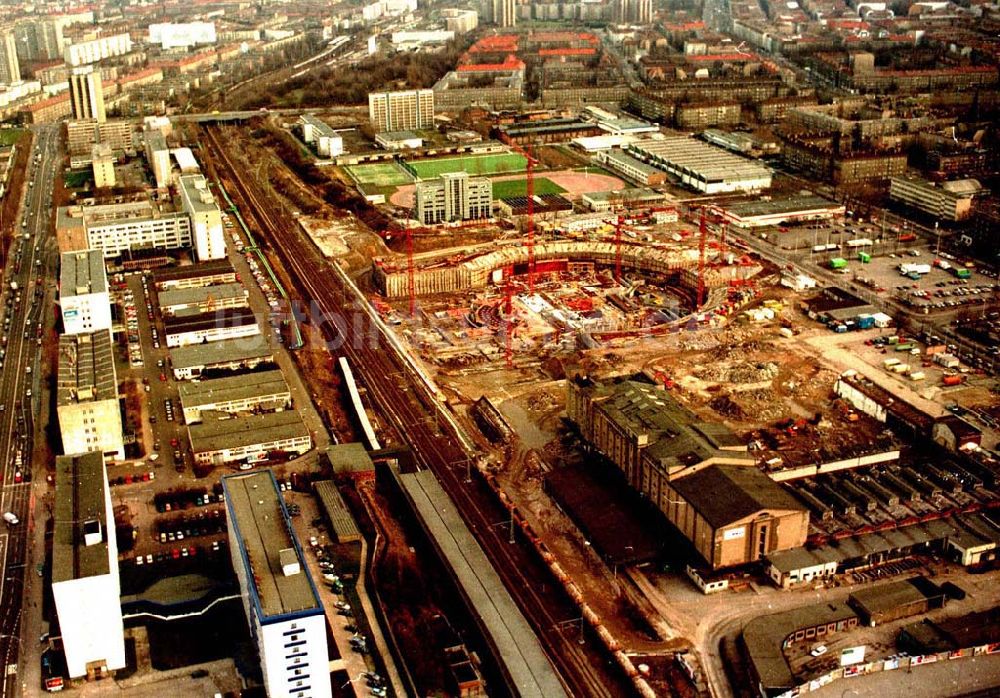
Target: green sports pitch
379	174
519	187
499	163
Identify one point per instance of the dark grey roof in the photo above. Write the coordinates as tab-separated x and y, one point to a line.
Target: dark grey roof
79	498
86	368
344	527
224	317
723	494
82	272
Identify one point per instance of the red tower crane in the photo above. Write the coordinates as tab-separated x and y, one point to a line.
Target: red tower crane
702	234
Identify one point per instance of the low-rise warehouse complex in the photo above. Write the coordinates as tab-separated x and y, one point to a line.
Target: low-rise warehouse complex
248	439
227	323
87	403
756	214
218	271
202	299
265	391
702	166
191	361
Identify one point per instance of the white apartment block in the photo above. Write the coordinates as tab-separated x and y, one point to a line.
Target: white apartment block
158	157
116	229
401	111
102	161
454	197
97	49
206	218
85	583
84	301
283	607
182	35
947	201
321	134
87	395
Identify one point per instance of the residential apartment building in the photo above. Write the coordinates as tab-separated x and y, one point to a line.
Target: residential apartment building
97	49
86	94
87	395
10	67
82	136
267	392
85	584
946	201
158	157
249	439
206	218
321	134
283	607
401	111
117	229
503	13
84	302
102	162
454	196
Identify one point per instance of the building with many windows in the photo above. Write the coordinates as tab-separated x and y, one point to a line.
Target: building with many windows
947	201
283	607
321	135
632	168
454	196
400	111
97	49
10	67
702	166
102	162
86	94
87	395
213	326
158	156
206	219
118	229
268	392
84	302
248	439
85	584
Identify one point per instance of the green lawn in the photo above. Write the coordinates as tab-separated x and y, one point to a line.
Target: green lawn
473	164
9	136
380	174
78	179
519	187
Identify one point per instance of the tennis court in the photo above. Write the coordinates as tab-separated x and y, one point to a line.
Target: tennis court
379	174
473	164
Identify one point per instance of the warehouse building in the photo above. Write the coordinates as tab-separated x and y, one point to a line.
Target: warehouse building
85	584
702	166
283	607
248	439
225	355
629	198
184	302
84	302
115	229
947	201
226	323
87	395
558	130
956	434
735	514
337	515
543	206
757	214
265	391
195	275
885	603
765	639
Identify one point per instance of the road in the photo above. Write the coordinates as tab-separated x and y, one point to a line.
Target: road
343	318
16	423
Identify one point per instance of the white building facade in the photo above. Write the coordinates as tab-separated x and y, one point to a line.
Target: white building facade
84	301
206	218
85	583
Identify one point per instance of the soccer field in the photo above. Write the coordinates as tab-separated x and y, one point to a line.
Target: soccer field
381	174
519	187
473	164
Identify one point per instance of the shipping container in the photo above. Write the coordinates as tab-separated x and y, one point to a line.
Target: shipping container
917	376
963	273
865	322
864	257
838	263
889	363
905	346
952	380
902	369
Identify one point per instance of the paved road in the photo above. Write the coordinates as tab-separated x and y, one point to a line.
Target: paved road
16	423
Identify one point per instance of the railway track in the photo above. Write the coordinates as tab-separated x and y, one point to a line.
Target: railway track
579	658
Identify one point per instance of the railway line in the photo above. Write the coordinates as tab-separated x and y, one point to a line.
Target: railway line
577	656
